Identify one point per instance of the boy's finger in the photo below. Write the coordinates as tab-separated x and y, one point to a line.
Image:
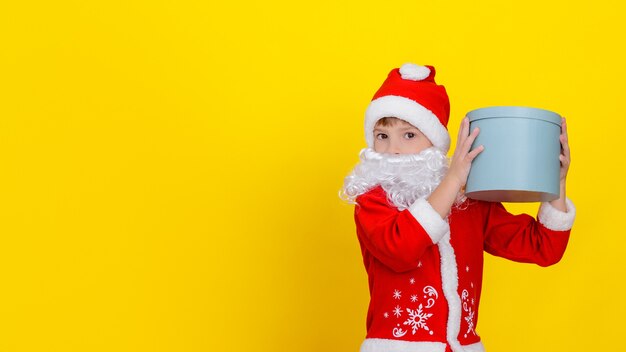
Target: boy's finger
564	129
564	138
460	136
470	140
464	128
566	151
565	161
565	145
475	152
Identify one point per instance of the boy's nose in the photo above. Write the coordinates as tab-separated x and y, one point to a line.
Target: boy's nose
394	148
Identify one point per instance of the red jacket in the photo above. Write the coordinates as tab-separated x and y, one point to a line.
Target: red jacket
425	273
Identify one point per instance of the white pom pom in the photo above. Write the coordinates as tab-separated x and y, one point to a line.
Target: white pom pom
414	72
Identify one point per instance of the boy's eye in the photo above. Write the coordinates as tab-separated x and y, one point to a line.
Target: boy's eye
409	135
381	136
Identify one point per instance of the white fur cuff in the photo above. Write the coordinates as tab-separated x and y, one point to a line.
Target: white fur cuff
430	220
555	219
383	345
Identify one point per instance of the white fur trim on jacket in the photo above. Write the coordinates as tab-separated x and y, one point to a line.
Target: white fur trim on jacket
554	219
450	285
409	111
385	345
475	347
430	220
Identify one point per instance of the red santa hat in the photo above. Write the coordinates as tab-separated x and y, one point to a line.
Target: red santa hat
411	94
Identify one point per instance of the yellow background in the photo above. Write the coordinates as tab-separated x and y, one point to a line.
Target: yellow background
170	169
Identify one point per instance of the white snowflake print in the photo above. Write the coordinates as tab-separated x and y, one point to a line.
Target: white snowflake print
467	268
414	298
431	292
398	332
397	311
412	281
464	296
397	294
469	319
386	315
470	322
417	319
419	264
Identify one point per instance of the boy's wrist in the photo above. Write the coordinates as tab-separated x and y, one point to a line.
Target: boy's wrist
445	194
561	202
453	181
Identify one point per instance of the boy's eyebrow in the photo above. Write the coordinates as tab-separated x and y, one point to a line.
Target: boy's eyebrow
383	129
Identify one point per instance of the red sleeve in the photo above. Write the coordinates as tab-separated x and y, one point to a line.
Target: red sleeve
522	238
394	237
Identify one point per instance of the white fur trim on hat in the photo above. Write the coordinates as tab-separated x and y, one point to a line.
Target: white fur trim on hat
409	111
414	72
557	220
429	219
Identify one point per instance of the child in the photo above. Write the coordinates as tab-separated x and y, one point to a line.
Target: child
422	241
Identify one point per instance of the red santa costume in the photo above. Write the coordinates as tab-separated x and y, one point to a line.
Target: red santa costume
425	272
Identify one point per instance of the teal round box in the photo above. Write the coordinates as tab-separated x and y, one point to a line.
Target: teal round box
520	162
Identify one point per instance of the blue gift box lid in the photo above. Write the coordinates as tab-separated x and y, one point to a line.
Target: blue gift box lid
514	112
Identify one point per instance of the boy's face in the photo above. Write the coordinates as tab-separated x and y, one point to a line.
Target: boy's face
399	137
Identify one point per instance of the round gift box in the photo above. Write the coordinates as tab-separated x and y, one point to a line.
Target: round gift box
520	162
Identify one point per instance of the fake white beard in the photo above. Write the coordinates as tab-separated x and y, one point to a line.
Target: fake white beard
405	178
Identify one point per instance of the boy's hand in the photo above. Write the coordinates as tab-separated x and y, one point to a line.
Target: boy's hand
565	154
445	194
560	203
462	158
